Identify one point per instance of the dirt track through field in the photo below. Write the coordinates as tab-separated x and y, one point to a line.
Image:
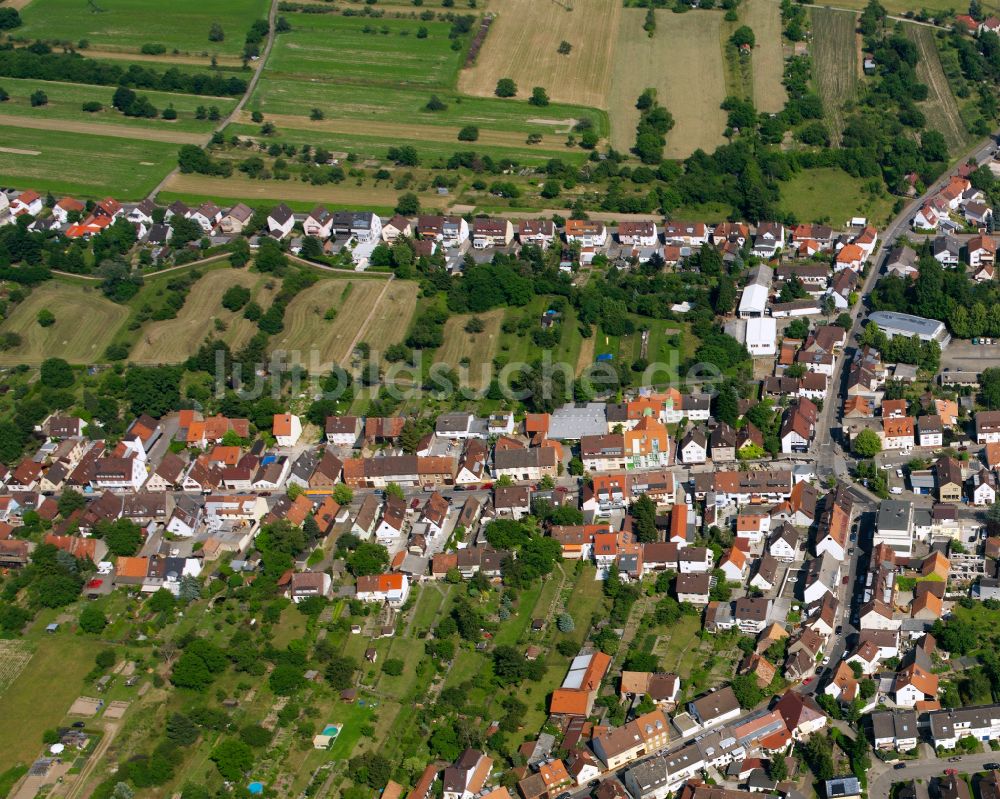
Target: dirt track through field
166	58
767	60
102	129
413	132
523	44
683	62
940	106
479	348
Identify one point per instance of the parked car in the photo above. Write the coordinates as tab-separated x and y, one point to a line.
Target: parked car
991	766
899	473
899	766
954	759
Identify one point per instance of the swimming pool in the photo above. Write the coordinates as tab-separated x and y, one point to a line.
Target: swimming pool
332	730
256	788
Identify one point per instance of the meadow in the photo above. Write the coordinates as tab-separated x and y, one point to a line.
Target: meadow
128	24
365	310
684	53
523	44
478	348
86	322
831	194
173	340
90	165
835	63
767	60
66	99
940	107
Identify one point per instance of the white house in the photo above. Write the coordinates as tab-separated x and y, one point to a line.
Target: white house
694	446
280	221
391	588
27	202
984	490
208	215
639	234
761	336
319	223
287	428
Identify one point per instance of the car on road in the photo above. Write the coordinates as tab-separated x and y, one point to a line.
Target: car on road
895	490
954	759
807	680
991	766
899	766
850	551
840	629
951	772
899	473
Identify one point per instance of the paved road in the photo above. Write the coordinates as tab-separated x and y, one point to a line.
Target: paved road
881	776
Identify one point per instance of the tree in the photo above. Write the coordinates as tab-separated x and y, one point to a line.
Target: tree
408	204
340	672
13	618
256	736
316	114
866	444
743	37
539	97
9	19
565	623
235	297
393	667
468	133
644	519
93	620
777	768
506	87
989	384
748	694
181	730
56	373
215	33
123	537
232	758
39	98
435	104
342	494
286	679
565	48
369	558
162	601
45	318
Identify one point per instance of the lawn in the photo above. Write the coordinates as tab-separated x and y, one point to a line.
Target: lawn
523	44
128	24
683	63
835	62
41	695
86	165
65	100
833	195
173	340
86	322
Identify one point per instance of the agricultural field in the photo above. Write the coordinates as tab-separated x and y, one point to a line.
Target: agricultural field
364	51
767	59
173	340
65	100
478	348
831	195
523	44
940	107
86	322
125	25
519	347
63	159
835	63
685	52
365	310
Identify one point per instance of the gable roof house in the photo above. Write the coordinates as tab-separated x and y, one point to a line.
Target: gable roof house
491	232
318	223
280	221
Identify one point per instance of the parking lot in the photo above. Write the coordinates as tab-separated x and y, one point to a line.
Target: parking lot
962	355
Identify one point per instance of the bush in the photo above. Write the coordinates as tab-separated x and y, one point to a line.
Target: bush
46	318
39	98
235	298
92	620
468	133
92	107
506	88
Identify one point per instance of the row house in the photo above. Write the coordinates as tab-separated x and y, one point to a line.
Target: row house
531	464
491	232
450	231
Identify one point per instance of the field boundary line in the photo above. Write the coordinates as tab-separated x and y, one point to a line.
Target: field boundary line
364	327
107	129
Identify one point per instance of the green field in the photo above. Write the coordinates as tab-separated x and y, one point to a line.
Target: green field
831	194
941	107
522	349
65	100
128	24
834	53
366	51
76	163
39	698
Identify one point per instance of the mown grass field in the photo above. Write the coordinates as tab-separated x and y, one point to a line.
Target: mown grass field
128	24
390	319
683	62
523	44
519	347
173	340
767	60
364	51
92	166
940	106
39	698
86	322
835	63
65	100
479	348
831	195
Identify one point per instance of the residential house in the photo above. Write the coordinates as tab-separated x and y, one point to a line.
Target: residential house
343	431
392	589
236	219
541	232
638	233
280	221
930	430
491	232
287	429
525	464
319	223
948	473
